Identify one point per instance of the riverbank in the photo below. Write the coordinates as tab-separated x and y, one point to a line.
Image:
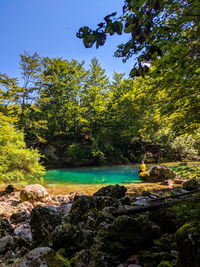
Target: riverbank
90	189
110	228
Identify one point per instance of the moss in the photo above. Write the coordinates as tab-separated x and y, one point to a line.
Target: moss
165	243
18	261
126	234
65	261
165	264
188	242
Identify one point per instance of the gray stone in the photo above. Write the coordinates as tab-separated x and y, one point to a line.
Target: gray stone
42	257
34	192
5	243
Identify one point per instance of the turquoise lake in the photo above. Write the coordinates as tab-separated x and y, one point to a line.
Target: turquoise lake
93	175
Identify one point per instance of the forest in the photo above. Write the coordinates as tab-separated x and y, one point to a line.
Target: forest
70	115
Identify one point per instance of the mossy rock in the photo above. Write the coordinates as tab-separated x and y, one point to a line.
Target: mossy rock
89	258
191	184
165	243
126	234
33	192
158	174
66	236
80	208
166	218
5	227
151	259
114	191
42	256
188	244
165	264
43	221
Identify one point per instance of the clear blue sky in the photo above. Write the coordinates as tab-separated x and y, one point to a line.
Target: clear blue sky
49	28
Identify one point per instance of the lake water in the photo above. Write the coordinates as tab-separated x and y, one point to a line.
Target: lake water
93	175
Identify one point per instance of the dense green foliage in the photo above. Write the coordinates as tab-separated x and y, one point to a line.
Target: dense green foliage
17	163
158	29
77	116
187	171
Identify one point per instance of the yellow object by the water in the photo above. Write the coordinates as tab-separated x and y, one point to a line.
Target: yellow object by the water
142	167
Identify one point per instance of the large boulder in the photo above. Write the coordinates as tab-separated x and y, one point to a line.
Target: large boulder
66	236
42	257
125	235
158	174
115	191
43	221
34	192
188	243
80	208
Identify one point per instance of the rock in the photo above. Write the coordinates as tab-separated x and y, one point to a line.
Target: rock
61	198
34	192
141	201
9	189
166	219
24	231
64	208
6	243
124	201
80	208
43	221
25	206
188	243
114	191
5	227
88	258
6	210
165	264
134	265
191	184
42	257
66	236
158	174
19	217
134	233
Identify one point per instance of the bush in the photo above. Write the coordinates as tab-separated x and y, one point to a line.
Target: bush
17	163
187	172
184	147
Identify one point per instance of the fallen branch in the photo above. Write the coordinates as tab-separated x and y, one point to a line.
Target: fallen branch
154	206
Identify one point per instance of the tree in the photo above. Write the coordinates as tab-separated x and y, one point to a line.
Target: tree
94	97
31	69
17	163
59	100
155	27
9	109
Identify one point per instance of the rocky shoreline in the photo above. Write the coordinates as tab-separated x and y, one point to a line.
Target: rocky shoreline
78	230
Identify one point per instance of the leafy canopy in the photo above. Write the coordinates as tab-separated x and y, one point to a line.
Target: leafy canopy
154	26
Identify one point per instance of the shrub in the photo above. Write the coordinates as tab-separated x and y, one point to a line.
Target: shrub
17	163
184	147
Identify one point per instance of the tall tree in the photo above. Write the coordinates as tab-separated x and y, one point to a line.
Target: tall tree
30	74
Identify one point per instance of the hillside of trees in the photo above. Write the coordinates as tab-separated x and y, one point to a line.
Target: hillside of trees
78	116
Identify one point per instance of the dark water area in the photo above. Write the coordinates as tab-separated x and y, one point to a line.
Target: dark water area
93	175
